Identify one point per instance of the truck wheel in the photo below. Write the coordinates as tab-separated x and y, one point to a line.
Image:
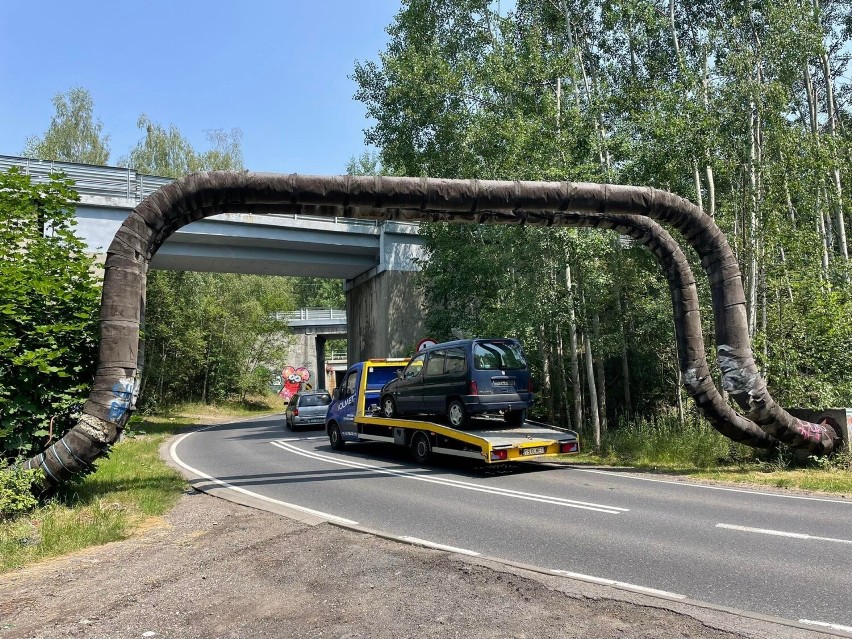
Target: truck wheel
335	437
457	413
388	406
515	418
421	449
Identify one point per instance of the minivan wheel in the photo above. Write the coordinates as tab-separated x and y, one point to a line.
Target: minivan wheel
515	417
388	406
335	437
421	449
457	413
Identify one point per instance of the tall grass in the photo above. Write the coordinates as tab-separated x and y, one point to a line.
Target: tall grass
666	443
127	489
694	448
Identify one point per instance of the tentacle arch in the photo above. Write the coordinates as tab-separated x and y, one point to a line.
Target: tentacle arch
623	208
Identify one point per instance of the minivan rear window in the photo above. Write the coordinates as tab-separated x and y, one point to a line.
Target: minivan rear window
498	355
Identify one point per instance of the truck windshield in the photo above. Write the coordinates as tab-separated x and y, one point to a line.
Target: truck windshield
498	355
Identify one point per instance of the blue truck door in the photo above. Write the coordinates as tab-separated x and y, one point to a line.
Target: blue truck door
345	405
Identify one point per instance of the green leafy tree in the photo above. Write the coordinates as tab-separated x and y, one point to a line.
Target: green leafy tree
727	104
166	152
317	292
49	301
208	336
74	134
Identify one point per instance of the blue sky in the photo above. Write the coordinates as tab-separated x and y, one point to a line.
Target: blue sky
276	70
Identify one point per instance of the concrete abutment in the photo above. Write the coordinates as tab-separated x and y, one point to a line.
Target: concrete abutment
384	314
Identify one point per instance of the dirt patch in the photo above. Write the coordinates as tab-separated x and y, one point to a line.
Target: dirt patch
219	569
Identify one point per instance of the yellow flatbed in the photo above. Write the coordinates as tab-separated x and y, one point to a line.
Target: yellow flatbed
352	417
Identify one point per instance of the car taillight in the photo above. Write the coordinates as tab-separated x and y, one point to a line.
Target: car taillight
474	390
570	447
295	411
499	454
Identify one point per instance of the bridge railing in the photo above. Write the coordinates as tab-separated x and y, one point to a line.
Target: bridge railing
104	181
311	315
121	182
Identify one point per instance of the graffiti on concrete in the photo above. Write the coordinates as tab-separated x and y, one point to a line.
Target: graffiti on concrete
292	380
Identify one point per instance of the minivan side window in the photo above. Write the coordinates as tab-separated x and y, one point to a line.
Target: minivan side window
455	360
415	367
435	365
498	355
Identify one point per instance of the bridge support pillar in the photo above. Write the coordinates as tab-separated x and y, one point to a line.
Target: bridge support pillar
384	315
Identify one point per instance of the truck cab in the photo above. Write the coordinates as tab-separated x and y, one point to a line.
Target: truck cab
350	400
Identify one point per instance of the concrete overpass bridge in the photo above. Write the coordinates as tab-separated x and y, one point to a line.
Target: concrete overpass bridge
377	259
310	330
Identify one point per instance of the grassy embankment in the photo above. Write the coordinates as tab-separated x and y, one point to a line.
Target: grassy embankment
699	452
129	491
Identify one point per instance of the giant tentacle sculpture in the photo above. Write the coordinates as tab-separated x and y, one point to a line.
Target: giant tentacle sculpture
416	199
690	341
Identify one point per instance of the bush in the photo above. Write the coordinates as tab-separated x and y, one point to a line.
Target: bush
15	495
49	301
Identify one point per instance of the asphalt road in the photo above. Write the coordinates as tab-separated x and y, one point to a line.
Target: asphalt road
777	554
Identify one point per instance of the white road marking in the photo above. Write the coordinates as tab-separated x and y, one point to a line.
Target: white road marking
622	584
833	626
847	502
309	511
432	544
505	492
781	533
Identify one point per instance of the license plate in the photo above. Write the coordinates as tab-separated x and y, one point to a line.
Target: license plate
501	382
537	450
317	420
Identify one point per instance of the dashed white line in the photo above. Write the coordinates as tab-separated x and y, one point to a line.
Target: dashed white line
504	492
686	484
782	533
621	584
432	544
824	624
308	511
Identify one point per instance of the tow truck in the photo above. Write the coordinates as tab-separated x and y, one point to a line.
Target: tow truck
354	416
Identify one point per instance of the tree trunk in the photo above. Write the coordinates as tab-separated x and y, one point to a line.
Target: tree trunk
593	395
575	366
625	363
831	114
545	371
599	364
697	178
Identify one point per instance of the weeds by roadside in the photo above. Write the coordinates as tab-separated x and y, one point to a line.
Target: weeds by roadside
129	487
697	450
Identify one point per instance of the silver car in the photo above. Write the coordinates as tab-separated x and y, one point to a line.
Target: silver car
307	409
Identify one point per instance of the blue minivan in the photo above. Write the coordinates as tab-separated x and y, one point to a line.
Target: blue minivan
463	378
